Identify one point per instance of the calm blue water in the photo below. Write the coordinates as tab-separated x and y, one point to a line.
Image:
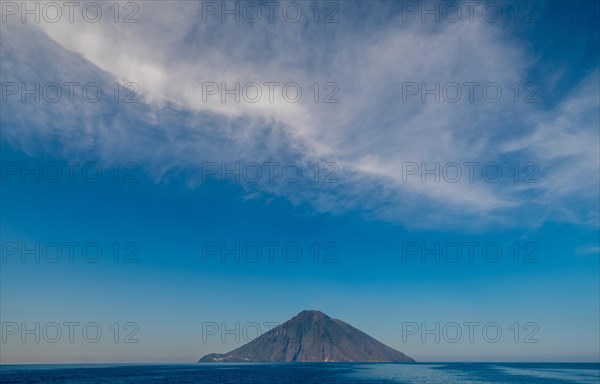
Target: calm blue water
469	373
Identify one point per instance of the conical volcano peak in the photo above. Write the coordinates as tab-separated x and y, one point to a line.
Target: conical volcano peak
311	314
312	336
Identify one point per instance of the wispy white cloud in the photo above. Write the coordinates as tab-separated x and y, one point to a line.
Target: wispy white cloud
589	250
371	133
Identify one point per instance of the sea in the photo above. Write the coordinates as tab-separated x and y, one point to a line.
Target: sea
305	373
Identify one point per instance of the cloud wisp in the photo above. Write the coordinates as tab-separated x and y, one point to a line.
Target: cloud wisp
386	133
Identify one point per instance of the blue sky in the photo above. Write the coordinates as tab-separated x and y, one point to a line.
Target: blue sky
164	207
